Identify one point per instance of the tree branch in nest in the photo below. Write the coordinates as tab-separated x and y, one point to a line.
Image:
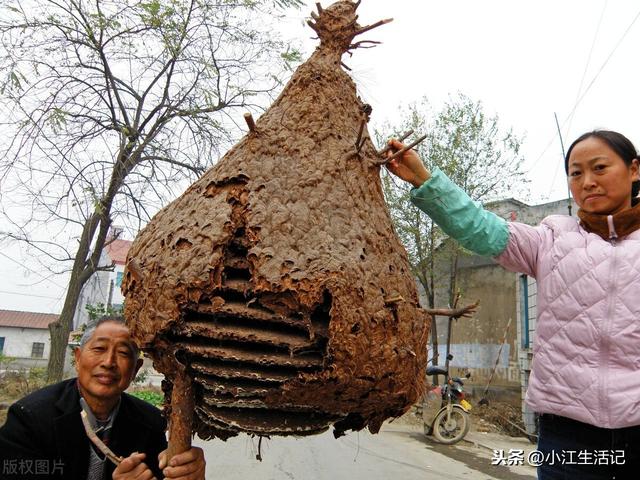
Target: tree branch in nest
465	312
362	124
374	25
250	122
361	44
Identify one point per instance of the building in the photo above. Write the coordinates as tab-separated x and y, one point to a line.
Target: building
104	286
24	337
117	253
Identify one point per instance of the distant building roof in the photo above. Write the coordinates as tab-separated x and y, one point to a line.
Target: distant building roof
505	201
117	251
11	318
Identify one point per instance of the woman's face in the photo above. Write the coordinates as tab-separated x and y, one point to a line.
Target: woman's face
599	179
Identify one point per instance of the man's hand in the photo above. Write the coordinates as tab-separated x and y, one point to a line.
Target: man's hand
189	465
132	467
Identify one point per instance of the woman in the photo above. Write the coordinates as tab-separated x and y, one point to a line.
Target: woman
585	381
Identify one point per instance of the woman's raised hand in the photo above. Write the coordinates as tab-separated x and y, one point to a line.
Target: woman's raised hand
407	166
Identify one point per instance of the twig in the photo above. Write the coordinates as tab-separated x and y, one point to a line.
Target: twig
393	300
454	312
319	7
345	66
483	400
361	43
362	124
374	25
402	150
259	455
106	451
249	119
457	299
402	139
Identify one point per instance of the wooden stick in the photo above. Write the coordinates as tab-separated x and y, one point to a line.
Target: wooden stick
249	119
106	451
483	400
181	419
319	7
393	300
362	124
403	150
374	25
401	139
361	44
454	312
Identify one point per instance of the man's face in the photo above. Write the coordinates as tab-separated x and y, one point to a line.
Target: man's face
106	364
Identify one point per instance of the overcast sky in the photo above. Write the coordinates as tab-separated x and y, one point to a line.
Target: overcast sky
524	60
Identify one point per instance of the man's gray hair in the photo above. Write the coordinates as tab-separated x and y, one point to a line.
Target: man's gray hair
91	328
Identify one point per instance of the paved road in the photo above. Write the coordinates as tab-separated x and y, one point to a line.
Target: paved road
398	452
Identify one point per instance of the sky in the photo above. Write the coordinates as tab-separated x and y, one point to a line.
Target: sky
524	60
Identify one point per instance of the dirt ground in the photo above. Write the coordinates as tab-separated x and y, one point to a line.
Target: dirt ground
497	417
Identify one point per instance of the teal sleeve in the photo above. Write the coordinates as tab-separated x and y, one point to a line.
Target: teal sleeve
461	218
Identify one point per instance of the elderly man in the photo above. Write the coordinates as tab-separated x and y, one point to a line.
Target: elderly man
44	433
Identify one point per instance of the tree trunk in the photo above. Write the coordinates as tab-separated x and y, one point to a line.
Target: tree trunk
61	328
84	265
453	278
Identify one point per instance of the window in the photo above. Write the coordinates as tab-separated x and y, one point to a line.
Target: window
119	276
37	350
1	345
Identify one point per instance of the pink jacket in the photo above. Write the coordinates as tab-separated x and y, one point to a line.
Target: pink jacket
586	362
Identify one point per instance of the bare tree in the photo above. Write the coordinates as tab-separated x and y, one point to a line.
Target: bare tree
478	155
111	106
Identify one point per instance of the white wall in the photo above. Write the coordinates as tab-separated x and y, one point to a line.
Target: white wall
116	294
95	291
18	342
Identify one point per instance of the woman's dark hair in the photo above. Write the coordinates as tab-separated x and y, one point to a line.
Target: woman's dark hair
619	144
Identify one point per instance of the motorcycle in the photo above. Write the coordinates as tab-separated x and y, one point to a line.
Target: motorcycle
445	412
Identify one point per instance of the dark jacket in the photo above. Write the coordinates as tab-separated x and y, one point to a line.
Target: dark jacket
43	436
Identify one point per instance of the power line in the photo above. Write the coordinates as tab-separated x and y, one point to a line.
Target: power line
586	67
579	100
605	63
30	269
30	295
